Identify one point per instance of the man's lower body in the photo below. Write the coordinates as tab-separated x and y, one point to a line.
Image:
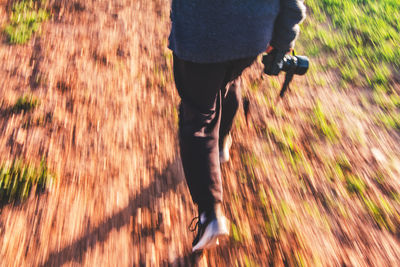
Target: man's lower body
210	97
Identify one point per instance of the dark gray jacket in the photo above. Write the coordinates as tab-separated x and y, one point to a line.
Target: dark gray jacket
207	31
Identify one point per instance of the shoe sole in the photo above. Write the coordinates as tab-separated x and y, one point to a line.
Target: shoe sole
213	232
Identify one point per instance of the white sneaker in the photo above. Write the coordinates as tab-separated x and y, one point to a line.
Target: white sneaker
209	230
224	153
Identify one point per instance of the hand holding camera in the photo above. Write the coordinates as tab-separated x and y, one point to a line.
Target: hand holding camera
277	60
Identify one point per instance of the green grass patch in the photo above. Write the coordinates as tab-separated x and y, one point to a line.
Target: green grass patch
276	213
24	104
384	215
324	126
385	101
235	233
250	159
25	19
381	210
358	40
18	178
390	120
355	184
361	37
248	262
285	137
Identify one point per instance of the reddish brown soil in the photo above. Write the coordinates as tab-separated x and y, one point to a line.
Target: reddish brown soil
107	123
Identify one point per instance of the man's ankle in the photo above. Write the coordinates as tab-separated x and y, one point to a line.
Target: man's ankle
212	210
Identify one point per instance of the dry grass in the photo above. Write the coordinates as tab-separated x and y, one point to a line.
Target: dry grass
107	125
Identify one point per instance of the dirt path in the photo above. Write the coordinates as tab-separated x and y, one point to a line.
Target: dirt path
107	124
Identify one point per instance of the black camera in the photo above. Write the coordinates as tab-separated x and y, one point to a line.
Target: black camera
291	64
297	64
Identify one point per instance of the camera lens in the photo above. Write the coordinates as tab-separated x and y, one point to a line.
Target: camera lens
302	65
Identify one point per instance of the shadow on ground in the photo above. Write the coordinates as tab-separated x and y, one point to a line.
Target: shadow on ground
160	185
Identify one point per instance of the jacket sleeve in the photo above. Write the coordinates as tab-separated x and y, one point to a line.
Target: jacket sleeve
286	27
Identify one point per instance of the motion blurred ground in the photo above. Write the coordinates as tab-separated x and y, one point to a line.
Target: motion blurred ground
312	181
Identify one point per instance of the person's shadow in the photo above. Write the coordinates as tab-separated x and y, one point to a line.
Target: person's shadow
168	180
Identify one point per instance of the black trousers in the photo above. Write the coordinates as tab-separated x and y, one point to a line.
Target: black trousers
210	97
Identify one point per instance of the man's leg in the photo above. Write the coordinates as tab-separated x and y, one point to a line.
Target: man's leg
230	105
232	98
199	86
199	119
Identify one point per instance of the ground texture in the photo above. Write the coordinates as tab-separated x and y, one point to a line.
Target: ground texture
312	180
